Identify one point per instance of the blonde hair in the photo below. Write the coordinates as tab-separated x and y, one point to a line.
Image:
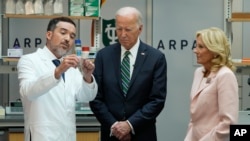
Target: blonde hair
216	41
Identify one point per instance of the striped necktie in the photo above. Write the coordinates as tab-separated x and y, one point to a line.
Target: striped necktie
57	63
125	72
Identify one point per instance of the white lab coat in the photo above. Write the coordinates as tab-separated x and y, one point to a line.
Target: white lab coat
49	104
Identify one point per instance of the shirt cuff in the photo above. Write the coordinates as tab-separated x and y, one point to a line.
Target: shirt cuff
92	84
132	129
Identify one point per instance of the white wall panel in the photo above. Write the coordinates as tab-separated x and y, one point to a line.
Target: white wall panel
177	20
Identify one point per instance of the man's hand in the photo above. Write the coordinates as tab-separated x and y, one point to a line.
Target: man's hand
68	61
87	68
121	130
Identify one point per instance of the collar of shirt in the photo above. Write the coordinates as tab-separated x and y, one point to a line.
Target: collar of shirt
133	52
132	56
49	54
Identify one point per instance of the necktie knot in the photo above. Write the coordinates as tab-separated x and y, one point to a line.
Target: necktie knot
126	53
56	62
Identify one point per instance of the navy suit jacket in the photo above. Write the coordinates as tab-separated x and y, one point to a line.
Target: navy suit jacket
146	95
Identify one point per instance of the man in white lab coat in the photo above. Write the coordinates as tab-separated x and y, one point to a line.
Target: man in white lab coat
49	91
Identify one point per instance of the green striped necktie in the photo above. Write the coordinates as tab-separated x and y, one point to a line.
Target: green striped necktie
125	71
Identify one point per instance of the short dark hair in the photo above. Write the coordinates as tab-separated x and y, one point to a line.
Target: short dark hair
53	22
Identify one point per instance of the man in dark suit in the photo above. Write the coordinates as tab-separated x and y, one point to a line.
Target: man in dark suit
129	113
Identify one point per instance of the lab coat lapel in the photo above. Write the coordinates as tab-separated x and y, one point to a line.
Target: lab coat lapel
45	58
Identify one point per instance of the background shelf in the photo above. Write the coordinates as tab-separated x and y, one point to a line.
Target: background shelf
240	17
47	16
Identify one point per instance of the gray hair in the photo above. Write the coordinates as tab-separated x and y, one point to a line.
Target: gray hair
130	10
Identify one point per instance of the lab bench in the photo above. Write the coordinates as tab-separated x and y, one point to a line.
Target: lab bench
12	128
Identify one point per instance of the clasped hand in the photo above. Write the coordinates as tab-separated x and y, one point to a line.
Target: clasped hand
121	130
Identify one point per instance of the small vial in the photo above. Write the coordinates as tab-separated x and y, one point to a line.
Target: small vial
78	48
92	52
85	52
